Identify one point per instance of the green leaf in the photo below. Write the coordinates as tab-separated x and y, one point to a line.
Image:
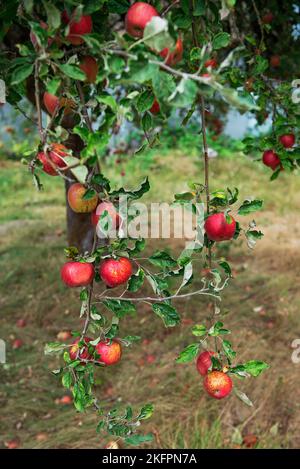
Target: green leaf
146	412
72	71
108	100
243	397
167	313
229	352
120	307
199	7
250	206
137	194
145	101
162	259
217	329
137	439
21	73
54	347
53	15
89	194
221	40
156	34
136	281
163	85
189	353
80	171
118	6
138	247
199	330
261	65
102	181
226	267
255	367
147	122
67	380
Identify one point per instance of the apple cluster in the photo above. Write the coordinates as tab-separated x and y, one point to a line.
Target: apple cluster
216	383
271	158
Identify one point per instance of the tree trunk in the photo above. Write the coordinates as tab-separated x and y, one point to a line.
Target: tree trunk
80	231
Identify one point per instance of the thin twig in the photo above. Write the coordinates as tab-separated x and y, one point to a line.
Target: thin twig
37	99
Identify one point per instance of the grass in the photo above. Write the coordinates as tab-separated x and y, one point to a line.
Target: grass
263	303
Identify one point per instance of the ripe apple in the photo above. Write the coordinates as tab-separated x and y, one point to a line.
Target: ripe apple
155	108
174	56
204	362
90	67
287	140
275	61
138	15
211	63
76	201
217	228
17	343
12	444
55	154
84	352
77	28
114	272
217	384
64	335
267	18
271	159
66	399
21	323
77	274
112	212
51	102
110	351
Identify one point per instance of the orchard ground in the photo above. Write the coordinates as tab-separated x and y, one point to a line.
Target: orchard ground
263	303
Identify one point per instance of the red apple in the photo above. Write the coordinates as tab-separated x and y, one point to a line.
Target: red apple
115	272
211	63
287	140
174	56
51	102
21	323
12	444
204	362
267	18
218	384
77	28
112	212
275	61
77	274
90	67
138	15
271	159
64	335
155	108
66	399
217	228
17	343
76	201
110	352
55	155
84	352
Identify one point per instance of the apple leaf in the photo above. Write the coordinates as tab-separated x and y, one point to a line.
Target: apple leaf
156	34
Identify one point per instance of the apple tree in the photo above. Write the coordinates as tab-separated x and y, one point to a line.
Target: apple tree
89	66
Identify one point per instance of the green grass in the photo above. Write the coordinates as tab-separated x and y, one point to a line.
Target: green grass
32	240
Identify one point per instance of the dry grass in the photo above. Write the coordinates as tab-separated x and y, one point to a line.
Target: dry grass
263	301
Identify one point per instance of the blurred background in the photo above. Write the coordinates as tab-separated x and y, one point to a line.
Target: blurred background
262	300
